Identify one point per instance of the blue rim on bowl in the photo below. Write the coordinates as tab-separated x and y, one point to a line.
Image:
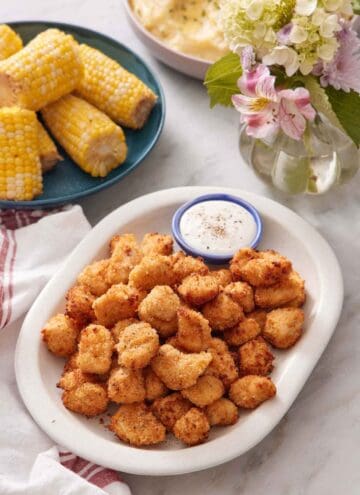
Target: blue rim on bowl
214	258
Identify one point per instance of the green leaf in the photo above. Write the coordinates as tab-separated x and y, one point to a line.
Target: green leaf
356	6
221	79
320	100
346	106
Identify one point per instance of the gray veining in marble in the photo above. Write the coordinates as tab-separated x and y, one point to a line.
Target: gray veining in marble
315	450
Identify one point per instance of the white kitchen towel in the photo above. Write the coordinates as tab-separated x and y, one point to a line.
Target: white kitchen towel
33	245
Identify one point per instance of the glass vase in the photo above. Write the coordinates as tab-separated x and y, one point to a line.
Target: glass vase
324	158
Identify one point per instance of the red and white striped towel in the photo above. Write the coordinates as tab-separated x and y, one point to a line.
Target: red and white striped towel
33	244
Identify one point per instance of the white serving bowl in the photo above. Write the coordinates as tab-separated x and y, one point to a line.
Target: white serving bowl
187	64
38	371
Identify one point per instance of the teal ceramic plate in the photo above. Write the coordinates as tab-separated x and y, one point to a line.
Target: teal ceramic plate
67	182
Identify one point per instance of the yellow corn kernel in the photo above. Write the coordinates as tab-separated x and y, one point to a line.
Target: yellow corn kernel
89	136
20	168
10	42
112	89
46	69
49	155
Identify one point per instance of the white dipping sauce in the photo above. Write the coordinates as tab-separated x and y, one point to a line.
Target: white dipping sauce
217	227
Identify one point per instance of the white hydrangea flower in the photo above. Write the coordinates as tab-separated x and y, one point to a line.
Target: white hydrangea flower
305	7
284	56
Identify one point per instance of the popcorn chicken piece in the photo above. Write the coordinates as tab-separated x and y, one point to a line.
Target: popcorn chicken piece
125	255
95	349
283	327
223	276
159	308
126	386
247	329
137	345
94	277
192	428
170	408
198	289
289	291
154	387
177	369
194	332
259	268
242	293
223	312
255	358
119	302
223	364
260	316
135	424
71	362
153	270
154	243
184	266
120	326
60	335
206	390
79	301
82	395
222	412
251	390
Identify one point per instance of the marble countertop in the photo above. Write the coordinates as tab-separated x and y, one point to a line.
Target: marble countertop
315	450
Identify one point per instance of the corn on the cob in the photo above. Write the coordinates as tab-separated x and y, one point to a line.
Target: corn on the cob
20	169
10	42
46	69
49	155
112	89
90	137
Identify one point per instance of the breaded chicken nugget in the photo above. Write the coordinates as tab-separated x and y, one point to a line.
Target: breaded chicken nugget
170	408
223	277
154	387
184	266
222	412
263	272
154	243
192	428
194	332
137	345
284	327
120	326
136	425
223	364
222	312
240	259
125	254
60	335
153	270
289	291
126	386
94	277
242	293
119	302
177	369
73	378
205	391
247	329
255	358
89	399
260	316
79	301
159	308
251	390
198	289
95	349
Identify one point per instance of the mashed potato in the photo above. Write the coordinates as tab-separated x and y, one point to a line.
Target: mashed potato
187	26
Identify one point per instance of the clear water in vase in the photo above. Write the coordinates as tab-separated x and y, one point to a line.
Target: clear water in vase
324	158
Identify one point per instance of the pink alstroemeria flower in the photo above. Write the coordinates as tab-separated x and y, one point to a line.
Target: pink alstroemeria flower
294	110
265	110
258	102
